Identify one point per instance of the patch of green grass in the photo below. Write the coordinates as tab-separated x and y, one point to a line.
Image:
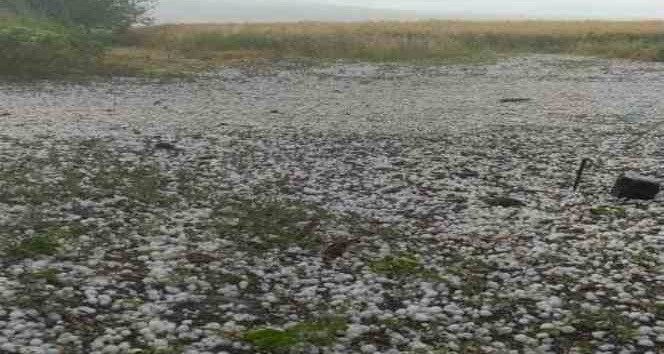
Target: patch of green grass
38	245
49	275
659	54
608	211
472	271
404	265
271	223
271	340
396	266
322	333
617	325
645	259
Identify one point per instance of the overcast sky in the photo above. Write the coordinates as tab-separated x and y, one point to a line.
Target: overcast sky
266	10
576	8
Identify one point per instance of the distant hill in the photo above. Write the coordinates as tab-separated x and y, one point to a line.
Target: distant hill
192	11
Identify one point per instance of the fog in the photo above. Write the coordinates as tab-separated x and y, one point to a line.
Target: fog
347	10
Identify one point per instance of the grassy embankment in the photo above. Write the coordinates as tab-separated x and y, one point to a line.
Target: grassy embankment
182	49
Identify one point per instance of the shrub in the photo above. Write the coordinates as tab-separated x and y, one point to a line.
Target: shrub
39	49
34	246
116	15
659	55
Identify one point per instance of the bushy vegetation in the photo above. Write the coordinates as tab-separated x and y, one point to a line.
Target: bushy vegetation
46	38
116	15
33	48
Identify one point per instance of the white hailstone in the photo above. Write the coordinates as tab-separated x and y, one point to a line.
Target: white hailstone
645	330
599	334
172	289
157	326
16	314
645	342
124	346
8	347
522	338
418	346
435	310
590	296
547	326
356	330
660	339
243	284
524	321
104	300
455	327
97	344
213	326
567	329
485	313
87	310
421	317
160	343
555	302
36	342
504	330
111	349
368	349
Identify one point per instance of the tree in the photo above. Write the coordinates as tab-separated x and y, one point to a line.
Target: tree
116	15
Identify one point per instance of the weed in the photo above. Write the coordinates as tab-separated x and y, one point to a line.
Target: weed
37	245
321	333
608	211
271	340
271	223
659	54
617	325
395	266
49	275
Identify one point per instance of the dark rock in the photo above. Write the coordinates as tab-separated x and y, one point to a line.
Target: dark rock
514	100
505	202
275	111
5	114
165	145
634	186
465	173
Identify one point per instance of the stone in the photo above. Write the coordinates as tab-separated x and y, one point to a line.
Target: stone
514	100
505	202
165	145
634	186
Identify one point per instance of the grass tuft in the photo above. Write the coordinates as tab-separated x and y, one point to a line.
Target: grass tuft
38	245
320	333
395	266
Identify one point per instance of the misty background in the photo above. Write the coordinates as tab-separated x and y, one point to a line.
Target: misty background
170	11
